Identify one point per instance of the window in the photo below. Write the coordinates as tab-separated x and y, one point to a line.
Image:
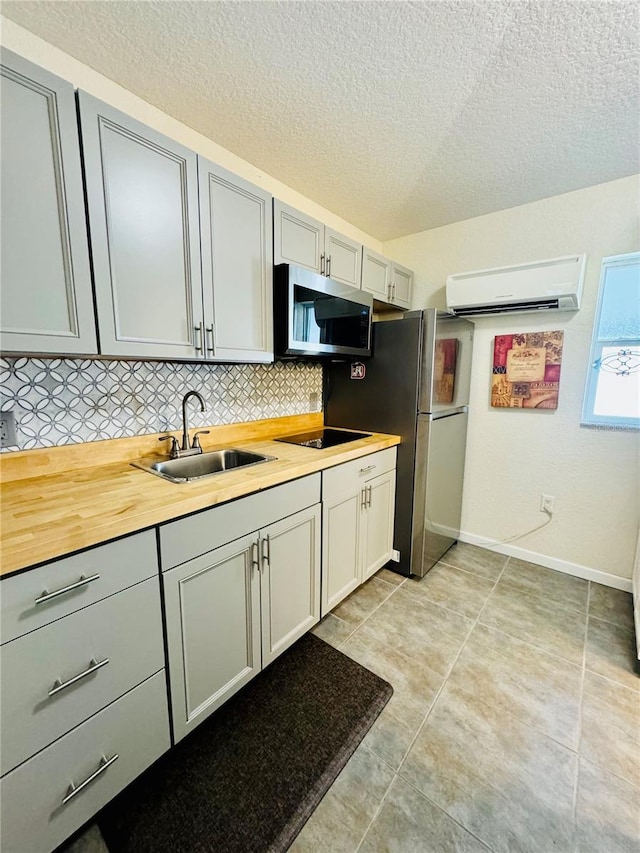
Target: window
612	396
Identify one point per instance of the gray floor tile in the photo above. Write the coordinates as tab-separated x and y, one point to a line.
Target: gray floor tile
344	813
505	782
611	652
393	732
408	673
612	605
91	841
418	627
409	823
537	620
480	561
333	630
608	812
611	727
562	588
361	603
513	677
390	577
454	589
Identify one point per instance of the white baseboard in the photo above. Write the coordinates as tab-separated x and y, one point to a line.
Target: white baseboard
549	562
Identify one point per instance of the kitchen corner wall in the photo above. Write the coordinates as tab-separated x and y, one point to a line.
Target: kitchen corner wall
514	455
69	401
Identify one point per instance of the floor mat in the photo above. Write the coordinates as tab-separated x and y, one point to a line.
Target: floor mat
247	779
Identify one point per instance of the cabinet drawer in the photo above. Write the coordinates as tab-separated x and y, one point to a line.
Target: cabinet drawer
125	630
135	728
349	475
117	565
190	537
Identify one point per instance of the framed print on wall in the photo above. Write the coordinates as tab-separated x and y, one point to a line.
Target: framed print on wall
526	370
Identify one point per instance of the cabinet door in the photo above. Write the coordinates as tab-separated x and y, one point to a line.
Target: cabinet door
340	547
401	285
343	258
297	238
376	274
236	220
47	303
377	523
290	588
212	607
142	192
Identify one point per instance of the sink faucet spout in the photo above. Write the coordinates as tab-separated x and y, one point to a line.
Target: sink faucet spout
185	422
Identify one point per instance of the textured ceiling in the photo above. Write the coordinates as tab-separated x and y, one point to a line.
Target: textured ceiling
397	116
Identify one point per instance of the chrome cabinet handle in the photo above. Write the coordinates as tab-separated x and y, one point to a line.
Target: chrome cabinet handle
75	789
198	341
367	469
47	596
322	272
254	554
266	552
209	332
328	265
363	498
389	288
369	489
94	666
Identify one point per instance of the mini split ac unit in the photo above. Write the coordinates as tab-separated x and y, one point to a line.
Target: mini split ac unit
554	284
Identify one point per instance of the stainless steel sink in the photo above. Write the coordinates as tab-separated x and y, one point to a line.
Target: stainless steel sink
203	465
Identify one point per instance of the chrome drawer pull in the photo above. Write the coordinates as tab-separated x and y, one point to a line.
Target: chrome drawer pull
266	552
72	790
47	596
94	665
367	469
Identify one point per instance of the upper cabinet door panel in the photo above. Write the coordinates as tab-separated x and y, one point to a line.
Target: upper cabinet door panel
143	210
297	238
376	274
344	258
402	280
47	303
237	266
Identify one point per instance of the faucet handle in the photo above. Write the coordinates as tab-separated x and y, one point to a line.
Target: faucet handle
195	444
174	444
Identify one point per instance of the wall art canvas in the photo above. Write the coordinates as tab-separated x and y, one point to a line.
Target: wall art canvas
526	370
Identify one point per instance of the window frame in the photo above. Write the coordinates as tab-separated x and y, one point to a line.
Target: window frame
589	418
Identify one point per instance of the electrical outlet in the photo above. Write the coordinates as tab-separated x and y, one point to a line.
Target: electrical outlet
547	504
313	401
8	429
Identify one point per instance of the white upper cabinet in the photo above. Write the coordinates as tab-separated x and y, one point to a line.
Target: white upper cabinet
386	280
47	303
401	285
237	266
142	192
376	274
301	240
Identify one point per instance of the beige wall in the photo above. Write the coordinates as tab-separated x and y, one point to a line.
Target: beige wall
515	455
31	47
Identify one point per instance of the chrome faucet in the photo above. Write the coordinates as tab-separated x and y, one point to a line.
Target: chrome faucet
184	449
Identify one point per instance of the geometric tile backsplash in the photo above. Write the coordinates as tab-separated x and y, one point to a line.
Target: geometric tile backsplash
69	401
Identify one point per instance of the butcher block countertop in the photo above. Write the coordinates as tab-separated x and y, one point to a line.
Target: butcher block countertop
55	501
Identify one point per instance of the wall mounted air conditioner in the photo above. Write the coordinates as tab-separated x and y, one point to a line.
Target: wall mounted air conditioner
551	285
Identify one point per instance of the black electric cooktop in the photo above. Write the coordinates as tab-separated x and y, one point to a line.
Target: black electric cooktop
321	438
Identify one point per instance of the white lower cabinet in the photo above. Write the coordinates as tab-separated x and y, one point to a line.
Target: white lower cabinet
234	609
358	503
48	797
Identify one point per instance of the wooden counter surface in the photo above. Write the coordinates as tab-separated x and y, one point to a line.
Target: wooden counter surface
60	500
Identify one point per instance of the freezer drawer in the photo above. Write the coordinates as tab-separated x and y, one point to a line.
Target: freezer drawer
440	454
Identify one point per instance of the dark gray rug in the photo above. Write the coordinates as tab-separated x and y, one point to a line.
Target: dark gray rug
248	778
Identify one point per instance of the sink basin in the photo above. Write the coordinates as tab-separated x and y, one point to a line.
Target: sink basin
202	465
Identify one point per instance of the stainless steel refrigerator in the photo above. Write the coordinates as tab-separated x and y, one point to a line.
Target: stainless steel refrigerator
416	385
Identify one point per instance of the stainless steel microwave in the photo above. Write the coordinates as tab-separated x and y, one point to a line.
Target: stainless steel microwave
319	317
